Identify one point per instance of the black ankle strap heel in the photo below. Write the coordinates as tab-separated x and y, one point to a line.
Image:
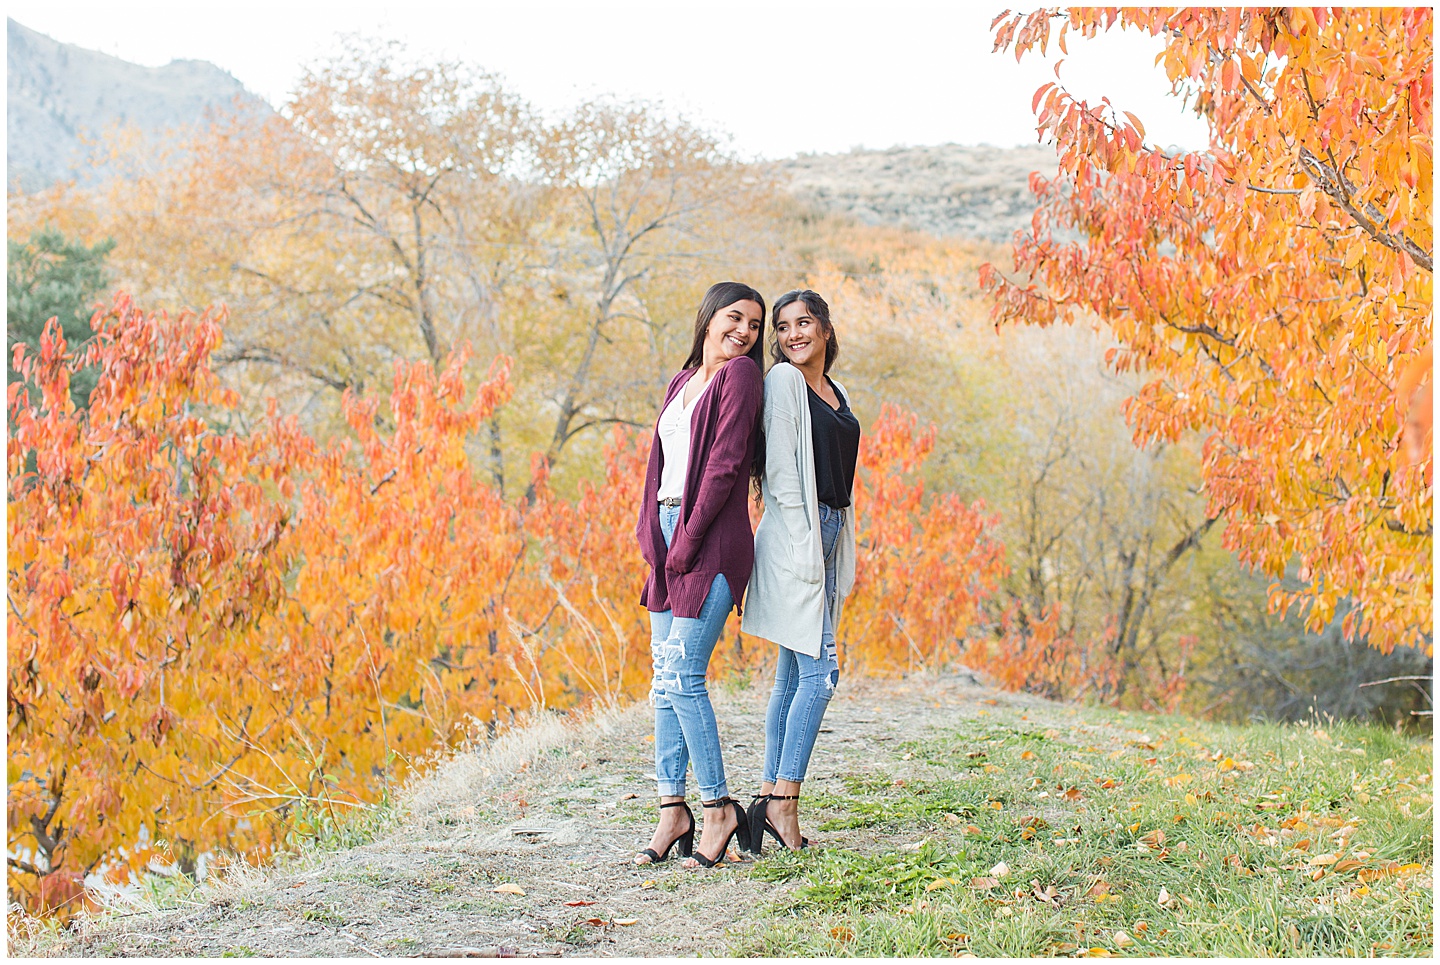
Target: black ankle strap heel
760	822
686	838
741	832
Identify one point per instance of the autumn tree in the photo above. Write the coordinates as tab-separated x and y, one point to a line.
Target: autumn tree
1274	285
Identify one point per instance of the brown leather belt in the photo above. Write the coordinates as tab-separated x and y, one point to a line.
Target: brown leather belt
670	501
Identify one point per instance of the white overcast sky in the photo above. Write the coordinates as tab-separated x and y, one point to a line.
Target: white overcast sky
780	77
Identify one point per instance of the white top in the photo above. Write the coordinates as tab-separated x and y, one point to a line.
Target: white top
785	601
675	443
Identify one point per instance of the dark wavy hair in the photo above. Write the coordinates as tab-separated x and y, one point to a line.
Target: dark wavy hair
819	310
717	297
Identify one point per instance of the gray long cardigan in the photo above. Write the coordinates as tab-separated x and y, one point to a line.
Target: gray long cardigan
786	598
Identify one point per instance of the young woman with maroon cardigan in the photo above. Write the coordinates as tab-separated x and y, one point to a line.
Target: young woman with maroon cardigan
694	533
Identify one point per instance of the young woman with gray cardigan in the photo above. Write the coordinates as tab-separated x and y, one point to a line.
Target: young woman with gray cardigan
804	551
694	532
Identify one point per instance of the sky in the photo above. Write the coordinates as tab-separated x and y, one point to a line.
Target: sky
779	78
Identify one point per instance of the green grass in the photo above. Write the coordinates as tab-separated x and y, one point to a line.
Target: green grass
1260	827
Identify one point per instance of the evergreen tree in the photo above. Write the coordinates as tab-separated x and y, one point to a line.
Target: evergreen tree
49	277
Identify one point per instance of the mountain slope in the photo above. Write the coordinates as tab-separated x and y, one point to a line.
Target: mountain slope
60	97
946	189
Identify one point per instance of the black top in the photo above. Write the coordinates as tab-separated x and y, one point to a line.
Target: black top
836	436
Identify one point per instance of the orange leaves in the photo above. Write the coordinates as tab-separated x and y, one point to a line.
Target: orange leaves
207	624
922	571
1277	293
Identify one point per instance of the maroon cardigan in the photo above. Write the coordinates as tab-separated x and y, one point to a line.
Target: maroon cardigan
713	535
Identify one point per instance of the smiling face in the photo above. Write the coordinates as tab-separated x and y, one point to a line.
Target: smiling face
733	330
801	335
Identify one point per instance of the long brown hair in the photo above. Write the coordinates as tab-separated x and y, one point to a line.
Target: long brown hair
819	310
717	297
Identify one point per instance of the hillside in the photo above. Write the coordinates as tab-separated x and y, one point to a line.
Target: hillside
59	96
946	189
948	818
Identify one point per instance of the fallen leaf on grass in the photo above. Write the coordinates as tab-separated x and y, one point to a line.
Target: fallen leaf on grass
1000	870
939	883
628	797
509	888
841	934
1048	894
1073	794
648	883
984	883
1155	839
1325	859
598	922
1109	783
1028	756
1387	869
1100	887
1178	779
626	921
1099	953
578	904
1121	939
1051	734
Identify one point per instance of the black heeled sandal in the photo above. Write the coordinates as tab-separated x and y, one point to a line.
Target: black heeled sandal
741	832
757	838
686	838
755	821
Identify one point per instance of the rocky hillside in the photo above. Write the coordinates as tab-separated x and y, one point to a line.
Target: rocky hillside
61	95
948	189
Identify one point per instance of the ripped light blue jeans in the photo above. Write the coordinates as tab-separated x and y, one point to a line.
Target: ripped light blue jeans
804	684
680	647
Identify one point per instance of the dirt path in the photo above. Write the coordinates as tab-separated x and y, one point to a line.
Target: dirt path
557	809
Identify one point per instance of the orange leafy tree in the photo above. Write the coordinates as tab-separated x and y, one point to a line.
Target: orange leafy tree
1277	284
212	630
924	570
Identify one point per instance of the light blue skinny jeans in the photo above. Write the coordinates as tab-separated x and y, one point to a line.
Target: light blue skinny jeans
680	647
804	684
